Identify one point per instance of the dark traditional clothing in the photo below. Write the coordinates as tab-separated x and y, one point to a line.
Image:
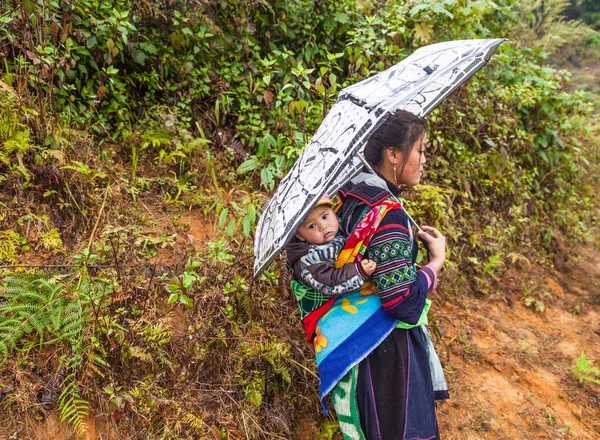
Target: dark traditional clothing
394	385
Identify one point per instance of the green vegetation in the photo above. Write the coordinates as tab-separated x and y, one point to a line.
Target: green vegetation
36	311
585	371
139	141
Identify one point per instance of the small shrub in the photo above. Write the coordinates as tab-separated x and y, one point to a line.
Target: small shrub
585	371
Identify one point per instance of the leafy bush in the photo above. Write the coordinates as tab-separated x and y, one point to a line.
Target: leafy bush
524	149
544	25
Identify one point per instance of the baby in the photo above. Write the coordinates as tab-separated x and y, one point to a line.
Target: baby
312	258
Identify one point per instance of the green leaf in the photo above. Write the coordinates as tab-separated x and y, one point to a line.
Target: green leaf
230	230
91	42
172	298
139	56
223	217
187	280
423	32
149	48
440	9
186	301
252	212
333	80
246	225
98	360
248	165
414	11
266	177
341	18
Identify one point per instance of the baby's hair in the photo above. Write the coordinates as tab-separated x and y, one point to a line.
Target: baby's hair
400	130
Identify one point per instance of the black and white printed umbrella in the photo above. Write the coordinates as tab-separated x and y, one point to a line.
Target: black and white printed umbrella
333	156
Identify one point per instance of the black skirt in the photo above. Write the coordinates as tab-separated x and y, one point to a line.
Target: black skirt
394	390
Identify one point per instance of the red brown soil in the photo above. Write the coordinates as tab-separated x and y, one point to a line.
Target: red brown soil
510	371
508	366
200	231
510	374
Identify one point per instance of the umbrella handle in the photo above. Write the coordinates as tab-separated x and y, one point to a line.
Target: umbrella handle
426	246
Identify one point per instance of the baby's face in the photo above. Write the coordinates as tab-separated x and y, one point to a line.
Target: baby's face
320	226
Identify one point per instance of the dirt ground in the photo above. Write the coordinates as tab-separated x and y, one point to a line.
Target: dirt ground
508	365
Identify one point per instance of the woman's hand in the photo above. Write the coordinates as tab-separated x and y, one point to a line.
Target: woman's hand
437	245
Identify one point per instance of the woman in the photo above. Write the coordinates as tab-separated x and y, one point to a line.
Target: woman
373	353
394	383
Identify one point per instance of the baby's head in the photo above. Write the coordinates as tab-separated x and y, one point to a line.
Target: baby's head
321	224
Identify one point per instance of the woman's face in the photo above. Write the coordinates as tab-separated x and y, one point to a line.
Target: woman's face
411	174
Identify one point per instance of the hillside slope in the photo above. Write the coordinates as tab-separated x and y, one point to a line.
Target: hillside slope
510	366
139	142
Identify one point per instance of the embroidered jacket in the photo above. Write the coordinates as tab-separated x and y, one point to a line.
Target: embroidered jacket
345	329
392	248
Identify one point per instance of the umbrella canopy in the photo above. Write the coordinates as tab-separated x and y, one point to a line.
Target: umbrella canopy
332	157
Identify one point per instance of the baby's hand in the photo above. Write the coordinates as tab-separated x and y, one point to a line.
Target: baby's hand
368	266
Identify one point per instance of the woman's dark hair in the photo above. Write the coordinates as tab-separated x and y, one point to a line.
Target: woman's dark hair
400	130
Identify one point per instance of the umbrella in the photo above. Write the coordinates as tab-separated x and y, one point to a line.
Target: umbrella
333	156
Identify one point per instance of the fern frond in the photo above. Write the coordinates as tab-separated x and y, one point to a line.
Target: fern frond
55	313
39	325
36	310
33	304
32	297
196	423
10	330
22	280
11	309
73	408
3	352
51	289
73	325
7	325
284	372
9	241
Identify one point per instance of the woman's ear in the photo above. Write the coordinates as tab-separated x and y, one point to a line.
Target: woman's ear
392	155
